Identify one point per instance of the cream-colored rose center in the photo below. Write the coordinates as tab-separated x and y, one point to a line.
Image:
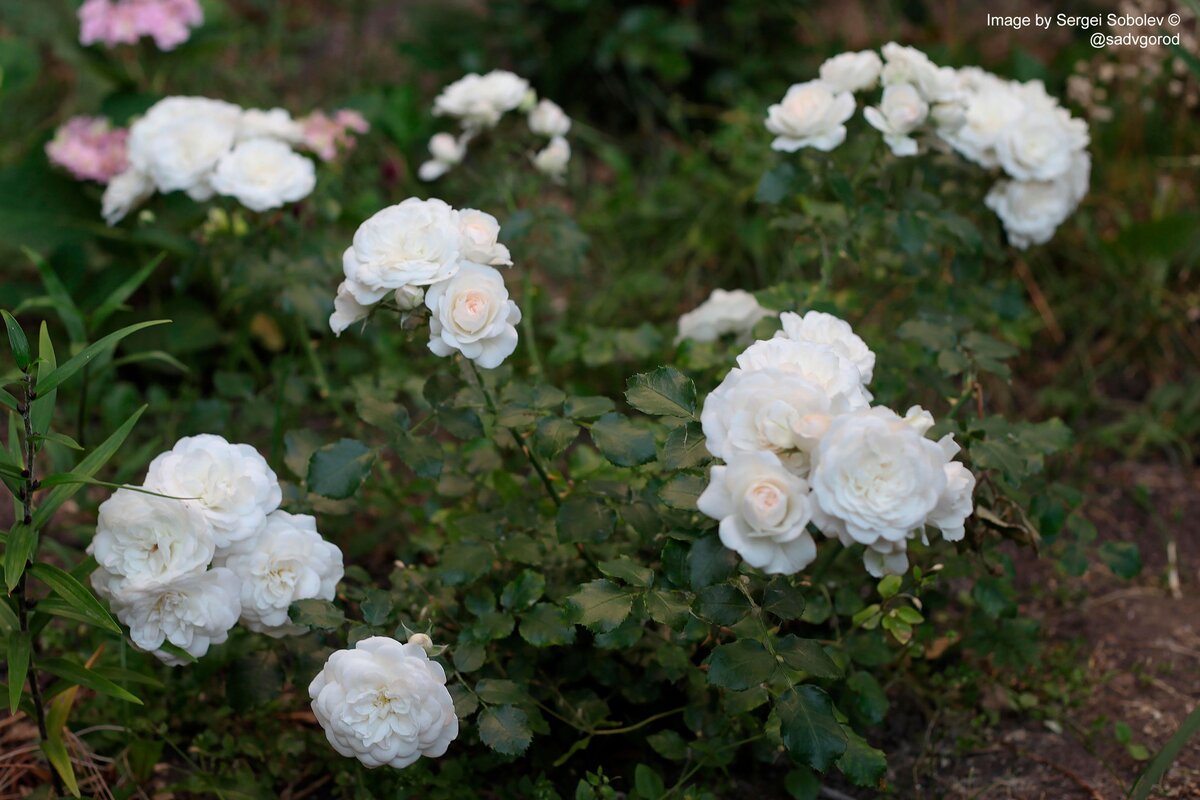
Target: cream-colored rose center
471	311
765	505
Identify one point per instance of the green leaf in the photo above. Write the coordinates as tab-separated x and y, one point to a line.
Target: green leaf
523	591
584	519
1166	757
1123	558
621	441
505	730
803	784
18	666
22	542
784	600
682	491
553	436
87	354
76	594
628	570
375	606
41	410
500	692
8	401
124	291
469	656
740	665
422	454
17	341
809	728
807	655
889	586
8	617
861	763
545	625
88	467
867	701
664	392
337	470
649	784
685	447
56	754
316	614
669	607
82	676
722	604
63	303
585	408
601	605
710	562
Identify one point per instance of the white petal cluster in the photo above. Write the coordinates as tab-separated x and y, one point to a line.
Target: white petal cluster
384	703
478	103
204	147
1015	128
203	545
425	252
801	443
724	312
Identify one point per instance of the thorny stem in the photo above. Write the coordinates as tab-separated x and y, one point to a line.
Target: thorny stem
23	603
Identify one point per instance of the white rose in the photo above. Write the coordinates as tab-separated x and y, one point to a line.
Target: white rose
812	114
879	563
262	174
909	65
287	560
480	100
471	314
816	363
552	159
763	510
413	243
124	193
1040	145
409	297
276	123
548	119
346	310
180	139
875	477
852	72
145	539
231	484
817	327
988	109
446	151
900	112
768	410
955	503
384	703
735	311
1032	210
191	612
480	235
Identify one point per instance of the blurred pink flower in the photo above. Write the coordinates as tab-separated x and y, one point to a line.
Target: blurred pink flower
324	134
89	148
114	22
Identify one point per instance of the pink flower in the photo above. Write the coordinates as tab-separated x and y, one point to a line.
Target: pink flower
89	148
323	134
114	22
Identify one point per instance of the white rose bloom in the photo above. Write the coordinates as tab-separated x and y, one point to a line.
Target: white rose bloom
900	112
471	314
144	539
552	159
480	100
346	310
548	119
446	151
480	235
262	174
1032	210
180	139
232	484
909	65
191	612
955	504
432	170
409	297
764	511
989	108
817	327
768	410
875	477
124	193
852	72
1040	146
879	563
274	124
735	311
287	560
384	703
811	114
816	363
413	243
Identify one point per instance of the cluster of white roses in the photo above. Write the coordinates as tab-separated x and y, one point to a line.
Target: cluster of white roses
801	443
206	147
184	571
424	250
478	102
993	122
